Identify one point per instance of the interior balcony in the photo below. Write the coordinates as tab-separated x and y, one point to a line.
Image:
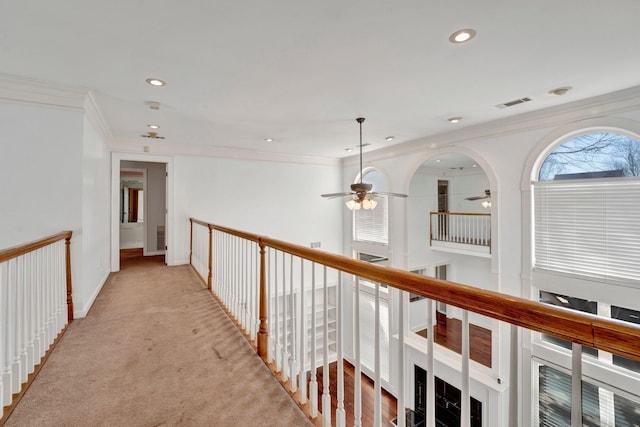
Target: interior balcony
462	233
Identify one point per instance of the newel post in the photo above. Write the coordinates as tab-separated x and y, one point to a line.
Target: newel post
263	333
210	257
69	288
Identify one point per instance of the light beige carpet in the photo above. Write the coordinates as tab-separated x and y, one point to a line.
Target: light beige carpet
155	350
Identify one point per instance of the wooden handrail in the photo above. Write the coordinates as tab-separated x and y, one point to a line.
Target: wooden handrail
460	213
16	251
610	335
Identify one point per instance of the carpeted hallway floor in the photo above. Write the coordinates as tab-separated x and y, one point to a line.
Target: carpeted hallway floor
155	350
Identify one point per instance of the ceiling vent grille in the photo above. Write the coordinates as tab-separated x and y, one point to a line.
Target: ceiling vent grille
514	102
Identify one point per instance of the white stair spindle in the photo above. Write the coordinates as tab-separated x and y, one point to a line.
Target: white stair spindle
302	378
292	309
465	401
326	395
276	312
22	331
283	348
576	385
377	390
313	385
357	383
431	383
5	371
400	400
14	325
340	412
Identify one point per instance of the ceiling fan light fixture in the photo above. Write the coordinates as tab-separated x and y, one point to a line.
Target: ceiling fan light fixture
486	204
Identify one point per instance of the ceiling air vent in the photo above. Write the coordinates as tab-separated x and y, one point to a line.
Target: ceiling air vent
514	102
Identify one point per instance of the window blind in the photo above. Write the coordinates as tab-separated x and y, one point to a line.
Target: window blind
371	225
588	227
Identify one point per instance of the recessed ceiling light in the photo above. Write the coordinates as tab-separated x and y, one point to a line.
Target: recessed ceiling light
462	36
348	150
560	90
269	139
454	119
475	166
153	126
390	138
437	160
155	82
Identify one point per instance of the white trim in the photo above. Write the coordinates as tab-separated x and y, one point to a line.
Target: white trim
169	148
94	114
78	314
21	89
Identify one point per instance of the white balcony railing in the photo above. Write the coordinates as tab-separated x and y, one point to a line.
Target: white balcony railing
471	229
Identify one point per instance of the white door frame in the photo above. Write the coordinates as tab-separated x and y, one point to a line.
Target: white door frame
116	158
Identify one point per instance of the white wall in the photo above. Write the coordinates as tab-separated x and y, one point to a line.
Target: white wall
96	171
277	199
59	161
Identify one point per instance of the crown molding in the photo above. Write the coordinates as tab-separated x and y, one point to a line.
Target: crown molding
96	118
612	103
172	149
32	91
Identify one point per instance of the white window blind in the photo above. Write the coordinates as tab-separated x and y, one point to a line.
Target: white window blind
589	227
370	225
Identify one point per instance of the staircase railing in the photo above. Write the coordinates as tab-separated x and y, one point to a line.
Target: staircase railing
289	299
36	306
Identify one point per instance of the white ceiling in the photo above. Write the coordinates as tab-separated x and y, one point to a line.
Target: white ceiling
301	71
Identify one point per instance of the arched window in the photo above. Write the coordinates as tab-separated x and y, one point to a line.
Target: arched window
587	202
371	225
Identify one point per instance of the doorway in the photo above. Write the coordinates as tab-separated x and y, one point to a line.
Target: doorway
141	206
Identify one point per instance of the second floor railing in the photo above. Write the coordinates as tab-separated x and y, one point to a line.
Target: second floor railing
35	306
290	302
457	227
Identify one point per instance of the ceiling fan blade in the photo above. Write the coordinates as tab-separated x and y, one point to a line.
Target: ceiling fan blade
384	193
477	198
334	195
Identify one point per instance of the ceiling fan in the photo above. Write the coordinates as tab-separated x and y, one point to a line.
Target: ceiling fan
487	195
361	195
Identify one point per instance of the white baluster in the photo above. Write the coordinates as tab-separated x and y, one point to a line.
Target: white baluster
313	385
377	390
340	412
302	378
276	312
30	327
5	370
14	323
401	404
22	328
283	348
576	385
431	382
357	384
465	403
326	395
292	309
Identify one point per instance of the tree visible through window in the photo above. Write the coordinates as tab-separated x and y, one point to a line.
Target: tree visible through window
594	155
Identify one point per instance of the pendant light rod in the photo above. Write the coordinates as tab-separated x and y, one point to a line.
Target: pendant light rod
360	120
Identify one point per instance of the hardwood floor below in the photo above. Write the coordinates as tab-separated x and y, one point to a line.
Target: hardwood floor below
389	402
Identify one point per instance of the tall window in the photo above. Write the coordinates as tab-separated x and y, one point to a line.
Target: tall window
586	209
371	225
